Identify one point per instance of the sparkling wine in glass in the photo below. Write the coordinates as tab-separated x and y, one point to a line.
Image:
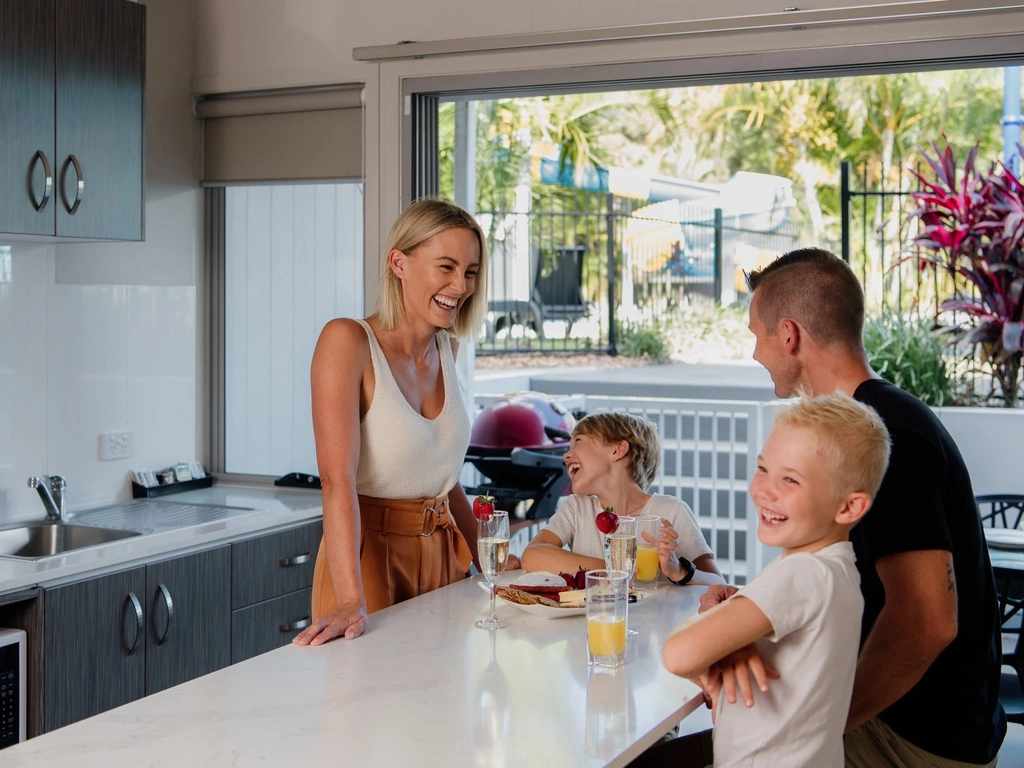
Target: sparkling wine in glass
620	552
492	549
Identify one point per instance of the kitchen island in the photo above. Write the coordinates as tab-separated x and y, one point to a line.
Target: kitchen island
423	687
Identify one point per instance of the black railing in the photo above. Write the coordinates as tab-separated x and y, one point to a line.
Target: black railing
570	268
878	230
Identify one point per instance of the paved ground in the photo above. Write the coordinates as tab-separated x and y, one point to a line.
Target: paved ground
723	381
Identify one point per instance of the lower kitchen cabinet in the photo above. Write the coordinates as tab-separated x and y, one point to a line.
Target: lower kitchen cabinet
188	619
268	625
111	639
94	647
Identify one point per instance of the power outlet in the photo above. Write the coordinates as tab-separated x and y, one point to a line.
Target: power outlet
115	445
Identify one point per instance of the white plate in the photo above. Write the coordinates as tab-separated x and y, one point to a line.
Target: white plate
549	612
1004	538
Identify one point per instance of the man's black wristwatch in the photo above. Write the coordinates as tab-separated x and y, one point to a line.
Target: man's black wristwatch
690	570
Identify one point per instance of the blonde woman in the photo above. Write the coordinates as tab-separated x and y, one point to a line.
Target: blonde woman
392	428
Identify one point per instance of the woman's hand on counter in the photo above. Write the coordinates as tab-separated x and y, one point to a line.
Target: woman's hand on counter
348	621
513	564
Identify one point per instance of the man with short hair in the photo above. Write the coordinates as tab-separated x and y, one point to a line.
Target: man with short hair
926	691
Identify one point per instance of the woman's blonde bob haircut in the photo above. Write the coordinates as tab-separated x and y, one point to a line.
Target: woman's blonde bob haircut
417	224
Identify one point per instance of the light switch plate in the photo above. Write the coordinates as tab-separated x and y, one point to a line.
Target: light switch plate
115	445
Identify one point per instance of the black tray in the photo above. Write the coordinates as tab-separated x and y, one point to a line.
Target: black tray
142	492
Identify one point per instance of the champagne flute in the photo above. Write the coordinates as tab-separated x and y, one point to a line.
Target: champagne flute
492	549
620	552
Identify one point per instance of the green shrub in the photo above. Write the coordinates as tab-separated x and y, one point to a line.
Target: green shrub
910	355
635	340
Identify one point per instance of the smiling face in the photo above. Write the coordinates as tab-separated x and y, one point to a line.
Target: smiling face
589	463
439	276
792	491
770	350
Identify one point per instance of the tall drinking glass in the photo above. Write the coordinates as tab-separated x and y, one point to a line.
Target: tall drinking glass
607	598
492	549
620	552
647	552
620	547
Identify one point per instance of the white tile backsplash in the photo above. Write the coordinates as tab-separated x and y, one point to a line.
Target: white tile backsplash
23	400
78	360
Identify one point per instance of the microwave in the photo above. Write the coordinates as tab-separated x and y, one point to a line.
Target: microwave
12	687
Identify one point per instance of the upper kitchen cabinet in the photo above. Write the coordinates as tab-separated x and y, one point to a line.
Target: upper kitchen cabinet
72	97
27	70
101	74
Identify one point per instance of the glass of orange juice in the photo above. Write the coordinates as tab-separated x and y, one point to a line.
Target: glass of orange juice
607	602
647	552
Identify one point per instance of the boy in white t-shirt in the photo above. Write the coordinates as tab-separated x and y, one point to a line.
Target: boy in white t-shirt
816	477
612	458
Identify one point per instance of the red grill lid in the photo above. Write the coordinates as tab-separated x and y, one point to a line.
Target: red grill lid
518	421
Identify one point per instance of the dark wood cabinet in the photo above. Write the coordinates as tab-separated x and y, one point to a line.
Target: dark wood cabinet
274	564
112	639
27	158
94	656
72	103
268	625
100	80
188	631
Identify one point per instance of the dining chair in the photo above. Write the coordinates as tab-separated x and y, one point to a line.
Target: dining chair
1000	510
1010	593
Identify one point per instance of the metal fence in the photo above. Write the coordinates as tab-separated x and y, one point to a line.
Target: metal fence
877	240
571	269
709	450
878	231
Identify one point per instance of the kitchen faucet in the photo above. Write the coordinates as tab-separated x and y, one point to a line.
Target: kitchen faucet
51	491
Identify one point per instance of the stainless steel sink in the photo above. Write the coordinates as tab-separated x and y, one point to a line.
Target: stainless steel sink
36	541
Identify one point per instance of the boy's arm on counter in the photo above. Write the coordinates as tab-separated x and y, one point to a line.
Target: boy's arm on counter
713	635
545	553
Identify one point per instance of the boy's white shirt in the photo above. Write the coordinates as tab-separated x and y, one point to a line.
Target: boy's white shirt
814	604
575	524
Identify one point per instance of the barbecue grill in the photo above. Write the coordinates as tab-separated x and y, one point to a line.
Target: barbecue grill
517	443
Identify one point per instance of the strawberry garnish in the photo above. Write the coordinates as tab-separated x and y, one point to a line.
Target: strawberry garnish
483	507
581	578
607	521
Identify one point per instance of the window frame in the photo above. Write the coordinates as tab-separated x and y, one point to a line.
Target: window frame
215	203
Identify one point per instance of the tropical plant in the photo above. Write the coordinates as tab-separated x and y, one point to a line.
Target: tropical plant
910	355
972	228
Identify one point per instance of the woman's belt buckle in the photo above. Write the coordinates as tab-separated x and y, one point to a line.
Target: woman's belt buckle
430	517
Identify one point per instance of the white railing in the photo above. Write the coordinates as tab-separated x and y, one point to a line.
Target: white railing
709	451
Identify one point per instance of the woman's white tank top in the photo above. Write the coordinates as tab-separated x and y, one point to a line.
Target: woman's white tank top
402	454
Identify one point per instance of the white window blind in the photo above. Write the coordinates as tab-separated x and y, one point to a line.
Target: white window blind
293	261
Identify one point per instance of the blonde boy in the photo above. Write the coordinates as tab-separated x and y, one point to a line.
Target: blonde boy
612	459
816	477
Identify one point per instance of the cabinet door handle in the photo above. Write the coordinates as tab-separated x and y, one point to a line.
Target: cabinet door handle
40	156
132	600
300	624
297	560
80	187
166	594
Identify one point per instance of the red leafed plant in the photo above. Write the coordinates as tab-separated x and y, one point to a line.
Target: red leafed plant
973	228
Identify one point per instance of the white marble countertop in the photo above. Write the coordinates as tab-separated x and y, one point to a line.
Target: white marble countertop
273	508
424	687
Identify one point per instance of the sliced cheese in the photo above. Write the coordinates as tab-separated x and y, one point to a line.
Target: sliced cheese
573	596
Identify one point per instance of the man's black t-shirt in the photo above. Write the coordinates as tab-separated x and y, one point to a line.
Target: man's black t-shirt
926	502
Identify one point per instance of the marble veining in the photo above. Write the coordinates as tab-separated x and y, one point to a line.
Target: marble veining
423	687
